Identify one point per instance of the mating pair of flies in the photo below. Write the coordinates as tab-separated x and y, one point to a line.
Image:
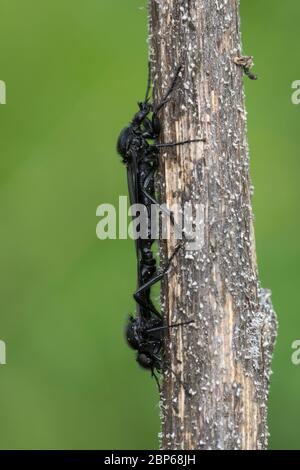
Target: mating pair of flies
139	148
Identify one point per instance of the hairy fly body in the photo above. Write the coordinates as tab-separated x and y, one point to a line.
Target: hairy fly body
139	148
146	336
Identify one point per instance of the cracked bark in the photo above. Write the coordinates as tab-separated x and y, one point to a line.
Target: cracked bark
224	358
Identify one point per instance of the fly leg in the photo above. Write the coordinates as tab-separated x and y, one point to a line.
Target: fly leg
138	295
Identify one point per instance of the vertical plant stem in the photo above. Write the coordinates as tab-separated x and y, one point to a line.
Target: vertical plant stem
224	358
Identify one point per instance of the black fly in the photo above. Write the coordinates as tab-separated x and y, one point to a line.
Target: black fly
145	331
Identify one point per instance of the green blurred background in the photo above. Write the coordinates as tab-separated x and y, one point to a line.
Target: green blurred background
74	71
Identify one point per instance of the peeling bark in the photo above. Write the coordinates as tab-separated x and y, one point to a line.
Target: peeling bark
224	358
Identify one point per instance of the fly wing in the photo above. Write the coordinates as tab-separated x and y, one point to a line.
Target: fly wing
132	170
132	182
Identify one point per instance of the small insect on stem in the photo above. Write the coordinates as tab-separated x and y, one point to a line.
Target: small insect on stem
246	62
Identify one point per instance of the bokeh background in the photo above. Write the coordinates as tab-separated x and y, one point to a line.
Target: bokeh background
74	71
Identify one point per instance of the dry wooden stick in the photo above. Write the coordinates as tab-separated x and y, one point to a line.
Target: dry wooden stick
224	358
